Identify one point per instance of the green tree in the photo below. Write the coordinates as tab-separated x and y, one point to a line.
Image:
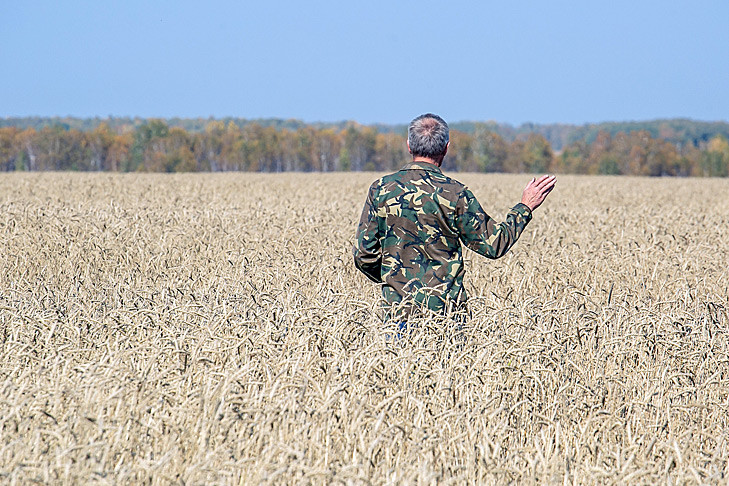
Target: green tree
178	147
56	148
573	159
490	151
714	161
9	150
608	165
537	154
146	143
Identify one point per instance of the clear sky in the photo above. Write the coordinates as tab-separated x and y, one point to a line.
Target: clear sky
371	61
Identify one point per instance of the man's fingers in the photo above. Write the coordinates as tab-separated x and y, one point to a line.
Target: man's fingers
545	182
546	179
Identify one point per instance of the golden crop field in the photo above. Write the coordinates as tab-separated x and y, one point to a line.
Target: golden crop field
212	329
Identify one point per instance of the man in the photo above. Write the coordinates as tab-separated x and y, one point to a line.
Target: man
414	221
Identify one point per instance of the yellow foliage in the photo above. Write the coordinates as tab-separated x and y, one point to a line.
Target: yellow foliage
719	144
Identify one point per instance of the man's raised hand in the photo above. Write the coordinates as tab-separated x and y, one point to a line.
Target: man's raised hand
536	191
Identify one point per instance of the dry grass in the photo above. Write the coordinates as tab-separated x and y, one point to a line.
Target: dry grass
211	329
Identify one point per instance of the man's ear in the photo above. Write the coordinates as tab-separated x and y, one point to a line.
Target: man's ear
409	149
448	144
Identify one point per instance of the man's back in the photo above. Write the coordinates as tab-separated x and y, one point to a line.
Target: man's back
410	233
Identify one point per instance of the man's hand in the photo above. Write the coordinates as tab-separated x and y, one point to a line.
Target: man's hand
536	191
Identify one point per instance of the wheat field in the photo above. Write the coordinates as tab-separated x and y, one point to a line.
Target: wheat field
212	329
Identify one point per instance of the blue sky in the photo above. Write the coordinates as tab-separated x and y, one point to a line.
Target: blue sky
376	61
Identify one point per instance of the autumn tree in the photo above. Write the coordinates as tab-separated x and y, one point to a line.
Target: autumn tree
99	141
327	147
532	155
648	156
460	153
209	146
178	145
118	153
390	152
232	152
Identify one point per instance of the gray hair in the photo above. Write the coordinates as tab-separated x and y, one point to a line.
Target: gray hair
428	136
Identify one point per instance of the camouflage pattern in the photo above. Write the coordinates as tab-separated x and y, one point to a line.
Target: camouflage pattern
410	233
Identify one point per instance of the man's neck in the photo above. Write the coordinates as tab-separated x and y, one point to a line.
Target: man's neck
426	160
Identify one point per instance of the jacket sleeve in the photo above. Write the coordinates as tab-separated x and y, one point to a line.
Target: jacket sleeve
367	251
479	232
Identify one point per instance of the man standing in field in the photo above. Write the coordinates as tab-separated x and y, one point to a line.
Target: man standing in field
413	222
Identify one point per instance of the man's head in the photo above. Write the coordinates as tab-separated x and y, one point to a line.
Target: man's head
428	137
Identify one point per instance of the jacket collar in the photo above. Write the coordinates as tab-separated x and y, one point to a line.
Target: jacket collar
422	166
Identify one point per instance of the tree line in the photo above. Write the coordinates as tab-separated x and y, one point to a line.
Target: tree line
225	145
679	131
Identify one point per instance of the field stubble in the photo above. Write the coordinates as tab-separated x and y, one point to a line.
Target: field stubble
212	329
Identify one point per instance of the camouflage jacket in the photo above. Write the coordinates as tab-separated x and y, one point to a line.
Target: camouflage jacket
410	233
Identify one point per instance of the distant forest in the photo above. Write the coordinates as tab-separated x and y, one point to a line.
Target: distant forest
673	147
